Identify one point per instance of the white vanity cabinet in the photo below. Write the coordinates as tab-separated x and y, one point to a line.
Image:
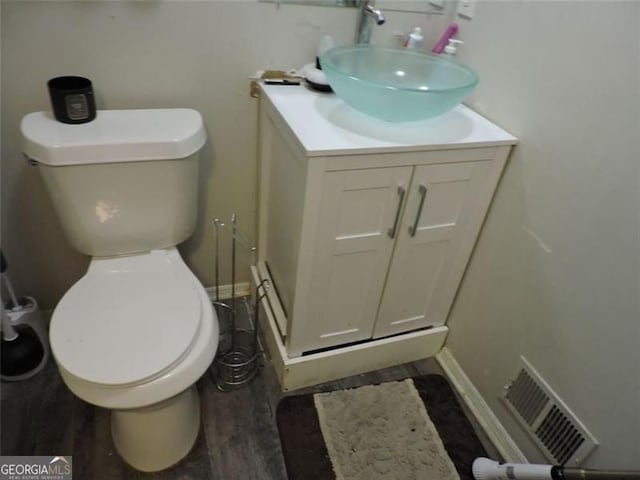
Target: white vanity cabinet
365	230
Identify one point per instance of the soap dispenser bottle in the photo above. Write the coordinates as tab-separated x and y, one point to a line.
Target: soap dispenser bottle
452	47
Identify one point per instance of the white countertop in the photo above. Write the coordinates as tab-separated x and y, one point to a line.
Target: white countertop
325	125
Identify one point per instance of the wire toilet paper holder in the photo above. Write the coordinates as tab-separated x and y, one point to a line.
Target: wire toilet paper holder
237	364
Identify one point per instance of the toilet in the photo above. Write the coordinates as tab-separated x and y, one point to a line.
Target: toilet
137	331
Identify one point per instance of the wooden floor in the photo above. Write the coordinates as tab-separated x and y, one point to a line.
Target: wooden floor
238	439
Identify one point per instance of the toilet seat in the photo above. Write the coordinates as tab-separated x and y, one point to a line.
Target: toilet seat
128	321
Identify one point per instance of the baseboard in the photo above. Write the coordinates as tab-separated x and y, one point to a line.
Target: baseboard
486	418
242	290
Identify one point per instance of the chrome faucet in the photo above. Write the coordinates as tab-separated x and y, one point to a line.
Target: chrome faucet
367	14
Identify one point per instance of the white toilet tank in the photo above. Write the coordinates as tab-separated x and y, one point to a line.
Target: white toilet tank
126	182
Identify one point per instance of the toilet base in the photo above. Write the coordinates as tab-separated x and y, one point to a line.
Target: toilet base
158	436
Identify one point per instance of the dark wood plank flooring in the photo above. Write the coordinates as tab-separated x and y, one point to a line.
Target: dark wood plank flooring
238	439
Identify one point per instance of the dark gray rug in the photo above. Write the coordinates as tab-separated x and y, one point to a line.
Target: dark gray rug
304	448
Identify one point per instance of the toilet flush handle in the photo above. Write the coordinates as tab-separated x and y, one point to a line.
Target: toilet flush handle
29	160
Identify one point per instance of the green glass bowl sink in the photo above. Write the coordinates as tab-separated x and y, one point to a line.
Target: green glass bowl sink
397	85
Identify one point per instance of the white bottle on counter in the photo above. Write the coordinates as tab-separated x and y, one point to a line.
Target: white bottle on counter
415	39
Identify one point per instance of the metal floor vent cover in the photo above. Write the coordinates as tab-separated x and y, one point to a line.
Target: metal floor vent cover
563	439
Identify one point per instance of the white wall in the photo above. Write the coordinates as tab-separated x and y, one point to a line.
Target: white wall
145	55
555	275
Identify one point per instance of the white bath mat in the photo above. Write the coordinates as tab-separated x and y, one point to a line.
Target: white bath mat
382	432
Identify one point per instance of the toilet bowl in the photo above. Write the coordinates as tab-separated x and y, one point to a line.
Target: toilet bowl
133	336
135	333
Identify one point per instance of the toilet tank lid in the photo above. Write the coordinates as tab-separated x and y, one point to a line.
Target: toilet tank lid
114	136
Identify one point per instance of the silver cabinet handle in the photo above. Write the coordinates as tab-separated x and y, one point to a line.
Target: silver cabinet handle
392	231
414	228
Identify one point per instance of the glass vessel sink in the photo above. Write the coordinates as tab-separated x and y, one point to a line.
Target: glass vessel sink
395	84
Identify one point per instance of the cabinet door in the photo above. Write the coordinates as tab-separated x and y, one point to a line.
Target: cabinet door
352	253
422	280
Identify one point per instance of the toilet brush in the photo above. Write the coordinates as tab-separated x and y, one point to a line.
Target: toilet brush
21	351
